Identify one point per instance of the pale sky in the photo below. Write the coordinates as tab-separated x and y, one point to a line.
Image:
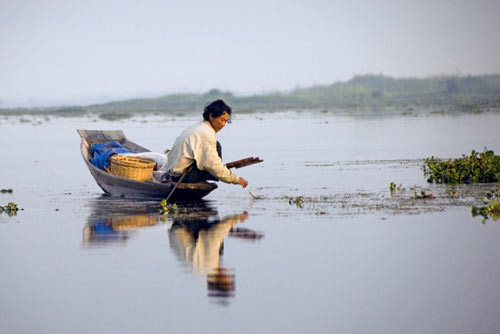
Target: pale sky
78	52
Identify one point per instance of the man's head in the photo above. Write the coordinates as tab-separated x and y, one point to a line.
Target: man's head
218	114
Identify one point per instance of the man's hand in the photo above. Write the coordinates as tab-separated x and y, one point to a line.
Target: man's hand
243	216
242	182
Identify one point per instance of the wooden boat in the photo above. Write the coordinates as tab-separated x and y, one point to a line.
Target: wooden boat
123	187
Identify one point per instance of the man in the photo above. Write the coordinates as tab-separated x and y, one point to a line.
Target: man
198	146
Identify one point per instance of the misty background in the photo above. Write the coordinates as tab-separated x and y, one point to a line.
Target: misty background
81	52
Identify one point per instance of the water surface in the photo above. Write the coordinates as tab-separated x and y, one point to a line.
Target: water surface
350	257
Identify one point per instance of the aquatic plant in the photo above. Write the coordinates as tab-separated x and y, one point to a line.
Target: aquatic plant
481	167
11	209
423	195
166	208
490	207
6	190
298	201
393	187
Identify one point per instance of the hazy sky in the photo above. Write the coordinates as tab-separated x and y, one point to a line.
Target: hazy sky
55	51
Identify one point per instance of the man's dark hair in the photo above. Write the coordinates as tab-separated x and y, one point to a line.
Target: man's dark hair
216	108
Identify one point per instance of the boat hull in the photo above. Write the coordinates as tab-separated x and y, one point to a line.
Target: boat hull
127	188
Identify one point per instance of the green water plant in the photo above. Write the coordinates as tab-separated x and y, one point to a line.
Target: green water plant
490	207
6	190
393	187
422	195
298	201
478	167
166	209
11	209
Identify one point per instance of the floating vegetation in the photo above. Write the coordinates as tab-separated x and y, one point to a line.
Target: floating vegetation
423	195
298	201
452	192
417	193
11	209
393	187
481	167
167	209
6	190
490	207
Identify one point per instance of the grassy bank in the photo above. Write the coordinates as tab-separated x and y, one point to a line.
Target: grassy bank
367	92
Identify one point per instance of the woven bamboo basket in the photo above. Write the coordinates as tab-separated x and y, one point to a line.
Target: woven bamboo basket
139	169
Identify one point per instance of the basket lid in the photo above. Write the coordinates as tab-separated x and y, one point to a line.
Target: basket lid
131	161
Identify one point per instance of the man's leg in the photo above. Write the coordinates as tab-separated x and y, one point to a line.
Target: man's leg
197	175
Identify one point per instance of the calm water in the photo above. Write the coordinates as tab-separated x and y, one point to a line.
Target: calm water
349	258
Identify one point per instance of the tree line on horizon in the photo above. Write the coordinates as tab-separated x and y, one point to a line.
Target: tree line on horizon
461	93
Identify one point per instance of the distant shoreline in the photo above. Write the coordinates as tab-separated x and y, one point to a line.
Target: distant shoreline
446	93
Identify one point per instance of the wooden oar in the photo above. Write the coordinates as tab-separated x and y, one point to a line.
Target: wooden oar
243	162
179	182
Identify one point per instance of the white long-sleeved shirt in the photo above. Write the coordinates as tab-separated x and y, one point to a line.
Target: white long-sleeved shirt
198	143
202	253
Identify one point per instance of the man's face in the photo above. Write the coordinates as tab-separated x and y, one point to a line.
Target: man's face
218	122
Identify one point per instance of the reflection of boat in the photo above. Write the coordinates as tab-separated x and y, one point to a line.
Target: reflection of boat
113	220
123	187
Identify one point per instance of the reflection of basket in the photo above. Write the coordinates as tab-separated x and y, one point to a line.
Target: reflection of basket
120	223
140	169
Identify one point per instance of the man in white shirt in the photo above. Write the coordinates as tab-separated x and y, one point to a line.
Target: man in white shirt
198	146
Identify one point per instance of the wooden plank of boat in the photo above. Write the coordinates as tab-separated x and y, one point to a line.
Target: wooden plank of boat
123	187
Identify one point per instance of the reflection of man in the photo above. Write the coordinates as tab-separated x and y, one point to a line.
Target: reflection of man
199	243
